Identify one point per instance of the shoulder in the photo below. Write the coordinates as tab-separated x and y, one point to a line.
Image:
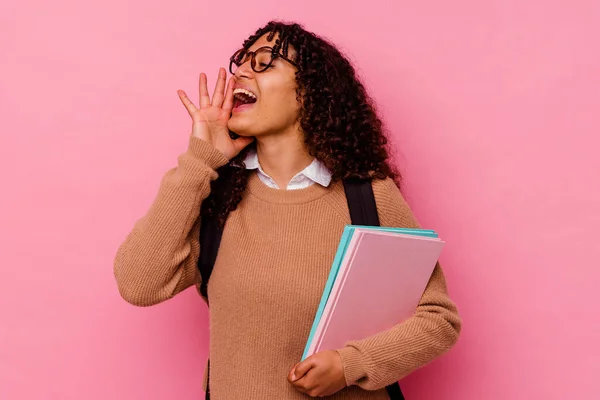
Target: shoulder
393	209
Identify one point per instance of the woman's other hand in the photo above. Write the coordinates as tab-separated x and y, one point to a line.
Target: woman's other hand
209	121
319	375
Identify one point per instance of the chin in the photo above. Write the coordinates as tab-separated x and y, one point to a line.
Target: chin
241	126
240	131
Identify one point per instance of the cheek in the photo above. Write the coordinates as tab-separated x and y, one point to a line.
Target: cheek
278	107
280	92
282	97
286	104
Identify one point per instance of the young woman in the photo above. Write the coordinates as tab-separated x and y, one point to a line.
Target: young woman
301	122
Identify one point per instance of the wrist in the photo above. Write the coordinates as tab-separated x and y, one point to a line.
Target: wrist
205	151
352	365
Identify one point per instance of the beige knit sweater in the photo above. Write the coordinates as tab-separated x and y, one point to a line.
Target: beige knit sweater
274	260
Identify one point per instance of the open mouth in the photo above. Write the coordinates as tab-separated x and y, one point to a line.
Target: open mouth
242	97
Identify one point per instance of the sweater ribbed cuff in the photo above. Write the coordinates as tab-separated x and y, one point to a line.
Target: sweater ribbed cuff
202	150
353	366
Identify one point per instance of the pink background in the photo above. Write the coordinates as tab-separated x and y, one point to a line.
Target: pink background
494	108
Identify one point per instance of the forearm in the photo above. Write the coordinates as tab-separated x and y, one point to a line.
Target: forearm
158	258
383	359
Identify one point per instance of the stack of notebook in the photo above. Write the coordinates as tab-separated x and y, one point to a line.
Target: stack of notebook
377	279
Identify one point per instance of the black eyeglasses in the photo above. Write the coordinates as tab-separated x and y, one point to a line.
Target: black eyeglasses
260	59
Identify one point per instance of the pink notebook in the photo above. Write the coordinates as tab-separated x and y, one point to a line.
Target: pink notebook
380	282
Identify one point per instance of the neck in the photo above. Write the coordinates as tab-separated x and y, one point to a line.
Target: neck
283	155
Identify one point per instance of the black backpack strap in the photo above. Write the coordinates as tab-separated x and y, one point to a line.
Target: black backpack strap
361	202
210	240
394	392
207	393
363	211
211	231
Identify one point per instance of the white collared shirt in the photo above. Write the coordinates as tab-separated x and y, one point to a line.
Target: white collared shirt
316	172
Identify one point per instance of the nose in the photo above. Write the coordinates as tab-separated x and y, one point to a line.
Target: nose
244	71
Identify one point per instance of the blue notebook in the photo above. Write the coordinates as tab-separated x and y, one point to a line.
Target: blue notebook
337	261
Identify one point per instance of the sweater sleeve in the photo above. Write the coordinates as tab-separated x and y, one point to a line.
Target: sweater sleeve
158	258
380	360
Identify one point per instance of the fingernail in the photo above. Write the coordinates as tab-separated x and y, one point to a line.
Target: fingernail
293	377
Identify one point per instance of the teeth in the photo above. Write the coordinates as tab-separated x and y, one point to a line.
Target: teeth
244	91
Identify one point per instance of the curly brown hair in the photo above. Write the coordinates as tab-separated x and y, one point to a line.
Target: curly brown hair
338	118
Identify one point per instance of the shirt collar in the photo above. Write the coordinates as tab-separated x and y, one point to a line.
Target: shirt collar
316	171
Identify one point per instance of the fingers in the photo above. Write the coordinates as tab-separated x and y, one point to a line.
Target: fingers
228	103
306	385
302	368
219	94
292	374
204	98
190	107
